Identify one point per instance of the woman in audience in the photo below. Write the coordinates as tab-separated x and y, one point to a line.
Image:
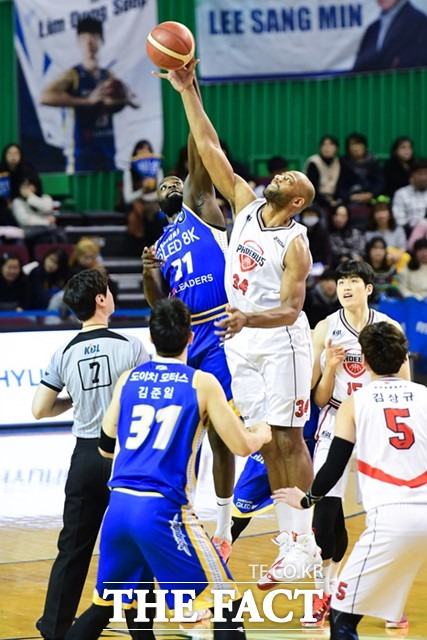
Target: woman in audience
386	277
49	277
347	243
15	291
13	169
318	237
381	223
397	169
324	169
87	255
413	277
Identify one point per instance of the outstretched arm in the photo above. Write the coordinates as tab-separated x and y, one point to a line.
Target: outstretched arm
233	187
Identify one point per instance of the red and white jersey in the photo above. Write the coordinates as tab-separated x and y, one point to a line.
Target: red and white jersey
351	375
391	436
254	260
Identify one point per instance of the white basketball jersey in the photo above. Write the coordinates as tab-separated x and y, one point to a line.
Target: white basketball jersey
351	375
254	261
391	436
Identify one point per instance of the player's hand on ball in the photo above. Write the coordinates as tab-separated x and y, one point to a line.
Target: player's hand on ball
181	79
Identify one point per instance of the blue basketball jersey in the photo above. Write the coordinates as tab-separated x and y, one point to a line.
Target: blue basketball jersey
94	147
194	254
159	431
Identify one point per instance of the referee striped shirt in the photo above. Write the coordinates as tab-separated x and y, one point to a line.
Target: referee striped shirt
89	367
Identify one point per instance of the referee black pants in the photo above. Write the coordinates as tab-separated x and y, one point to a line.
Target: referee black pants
86	499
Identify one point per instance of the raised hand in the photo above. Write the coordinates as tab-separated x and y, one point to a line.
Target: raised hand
181	79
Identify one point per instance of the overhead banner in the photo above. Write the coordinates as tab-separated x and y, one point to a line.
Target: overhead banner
268	39
86	94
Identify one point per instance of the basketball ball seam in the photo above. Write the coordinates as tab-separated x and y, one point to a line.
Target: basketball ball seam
184	57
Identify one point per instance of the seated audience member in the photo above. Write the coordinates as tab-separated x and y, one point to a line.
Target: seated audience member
347	242
381	223
360	178
318	237
324	170
321	299
35	214
87	255
418	232
48	277
386	280
413	277
397	169
275	165
144	221
410	203
13	169
15	291
180	170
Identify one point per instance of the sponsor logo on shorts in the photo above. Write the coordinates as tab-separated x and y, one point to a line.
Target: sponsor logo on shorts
181	542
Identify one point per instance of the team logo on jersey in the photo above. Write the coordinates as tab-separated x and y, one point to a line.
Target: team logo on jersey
250	255
353	364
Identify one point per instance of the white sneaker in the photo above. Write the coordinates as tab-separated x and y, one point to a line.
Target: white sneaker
299	557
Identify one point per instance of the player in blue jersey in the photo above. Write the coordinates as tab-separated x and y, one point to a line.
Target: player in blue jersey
95	95
158	415
188	263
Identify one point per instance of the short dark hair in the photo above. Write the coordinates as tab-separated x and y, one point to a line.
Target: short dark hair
419	165
356	138
355	269
81	290
384	346
331	138
90	25
170	326
328	274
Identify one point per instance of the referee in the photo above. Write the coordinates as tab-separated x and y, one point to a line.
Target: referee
89	367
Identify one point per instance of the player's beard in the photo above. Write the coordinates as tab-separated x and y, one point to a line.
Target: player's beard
172	204
278	199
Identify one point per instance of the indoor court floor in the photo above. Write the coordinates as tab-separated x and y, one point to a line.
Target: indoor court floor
33	469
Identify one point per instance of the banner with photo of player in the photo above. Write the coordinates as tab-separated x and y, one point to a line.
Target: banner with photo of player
268	39
86	92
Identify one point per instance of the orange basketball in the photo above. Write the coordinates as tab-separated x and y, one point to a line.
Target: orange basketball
170	45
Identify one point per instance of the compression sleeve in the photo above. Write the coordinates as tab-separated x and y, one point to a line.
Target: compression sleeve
328	475
106	443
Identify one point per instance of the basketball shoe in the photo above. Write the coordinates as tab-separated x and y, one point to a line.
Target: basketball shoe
223	546
321	609
397	624
298	556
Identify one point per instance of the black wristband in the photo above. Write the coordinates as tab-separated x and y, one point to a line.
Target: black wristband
106	443
309	500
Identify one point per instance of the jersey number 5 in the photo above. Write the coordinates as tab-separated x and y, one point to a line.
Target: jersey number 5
405	436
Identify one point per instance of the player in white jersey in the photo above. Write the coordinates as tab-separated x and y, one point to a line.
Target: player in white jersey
267	334
338	372
89	367
387	419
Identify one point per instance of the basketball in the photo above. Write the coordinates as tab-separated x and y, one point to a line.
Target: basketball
115	89
170	45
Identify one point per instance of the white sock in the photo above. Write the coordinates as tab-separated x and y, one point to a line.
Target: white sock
302	521
284	515
223	518
325	581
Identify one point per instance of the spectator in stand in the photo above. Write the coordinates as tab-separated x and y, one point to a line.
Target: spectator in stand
180	170
318	237
347	242
381	223
275	165
413	278
360	178
410	203
386	279
13	169
144	221
35	213
15	292
48	277
321	299
397	169
324	170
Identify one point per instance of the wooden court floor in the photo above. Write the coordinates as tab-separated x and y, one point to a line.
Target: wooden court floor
28	547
